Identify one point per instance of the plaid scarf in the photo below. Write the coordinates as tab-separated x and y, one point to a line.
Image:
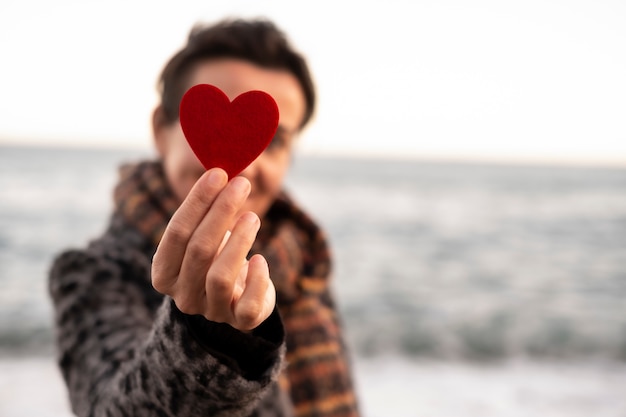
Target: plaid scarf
317	375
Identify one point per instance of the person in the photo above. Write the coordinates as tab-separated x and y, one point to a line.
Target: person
207	296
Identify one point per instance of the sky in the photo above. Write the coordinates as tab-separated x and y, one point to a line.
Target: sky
529	81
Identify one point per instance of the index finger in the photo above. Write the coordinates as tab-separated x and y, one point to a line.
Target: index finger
170	252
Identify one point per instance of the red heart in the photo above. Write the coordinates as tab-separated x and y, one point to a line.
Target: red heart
224	134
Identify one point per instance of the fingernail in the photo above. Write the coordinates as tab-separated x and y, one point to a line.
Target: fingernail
250	217
241	184
215	177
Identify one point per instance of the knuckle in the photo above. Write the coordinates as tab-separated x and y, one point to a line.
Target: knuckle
160	282
219	283
178	230
198	250
186	305
227	206
248	314
201	200
202	248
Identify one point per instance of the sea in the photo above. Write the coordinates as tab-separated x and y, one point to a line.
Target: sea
465	288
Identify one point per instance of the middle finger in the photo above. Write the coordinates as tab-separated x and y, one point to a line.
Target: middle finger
207	237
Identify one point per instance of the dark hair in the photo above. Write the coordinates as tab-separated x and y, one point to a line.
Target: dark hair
256	41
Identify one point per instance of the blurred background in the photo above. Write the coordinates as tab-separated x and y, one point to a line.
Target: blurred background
474	154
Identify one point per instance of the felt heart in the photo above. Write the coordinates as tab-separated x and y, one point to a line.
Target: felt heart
225	134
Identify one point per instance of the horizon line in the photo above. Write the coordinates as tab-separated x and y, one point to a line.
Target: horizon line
400	155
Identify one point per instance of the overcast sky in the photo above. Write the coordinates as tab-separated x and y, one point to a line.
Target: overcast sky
524	80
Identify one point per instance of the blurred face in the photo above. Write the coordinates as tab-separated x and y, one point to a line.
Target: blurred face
267	172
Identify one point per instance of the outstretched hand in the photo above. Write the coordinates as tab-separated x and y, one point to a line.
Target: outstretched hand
201	260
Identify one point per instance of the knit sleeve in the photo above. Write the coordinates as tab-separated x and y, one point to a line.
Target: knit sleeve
124	350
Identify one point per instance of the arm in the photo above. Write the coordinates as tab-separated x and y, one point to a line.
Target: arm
123	351
126	350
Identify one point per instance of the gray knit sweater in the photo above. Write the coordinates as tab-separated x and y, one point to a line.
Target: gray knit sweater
126	350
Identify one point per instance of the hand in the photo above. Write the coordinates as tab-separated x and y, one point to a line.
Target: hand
201	260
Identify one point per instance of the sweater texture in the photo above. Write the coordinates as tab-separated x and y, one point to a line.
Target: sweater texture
126	350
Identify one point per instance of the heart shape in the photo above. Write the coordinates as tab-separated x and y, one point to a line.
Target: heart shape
225	134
